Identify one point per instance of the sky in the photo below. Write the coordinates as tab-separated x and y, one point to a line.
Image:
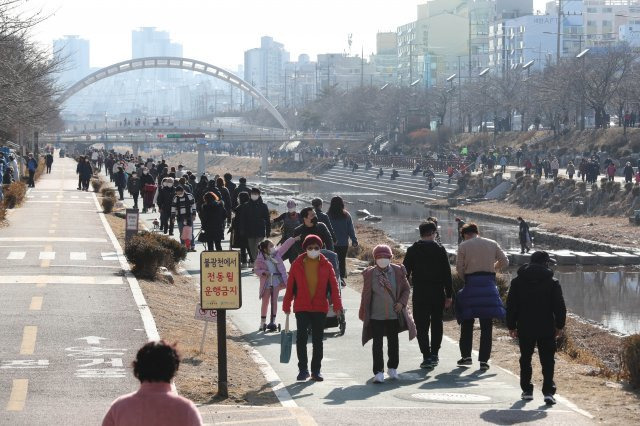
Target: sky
219	31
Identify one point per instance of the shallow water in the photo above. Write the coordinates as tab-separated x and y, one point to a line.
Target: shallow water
607	295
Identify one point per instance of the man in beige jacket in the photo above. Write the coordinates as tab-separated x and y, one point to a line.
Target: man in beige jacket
477	261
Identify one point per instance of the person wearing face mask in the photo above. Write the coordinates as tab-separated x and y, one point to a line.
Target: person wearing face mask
310	225
255	224
343	228
133	186
183	209
290	221
164	198
383	303
323	218
270	269
310	276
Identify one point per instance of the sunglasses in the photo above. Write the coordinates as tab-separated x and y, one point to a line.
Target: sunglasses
313	248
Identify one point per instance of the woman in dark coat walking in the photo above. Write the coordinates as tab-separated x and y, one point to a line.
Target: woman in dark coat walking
213	215
225	196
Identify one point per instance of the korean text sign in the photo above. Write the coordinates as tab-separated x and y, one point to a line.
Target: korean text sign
220	286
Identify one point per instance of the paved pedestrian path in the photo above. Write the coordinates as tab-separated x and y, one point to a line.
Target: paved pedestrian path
70	324
446	395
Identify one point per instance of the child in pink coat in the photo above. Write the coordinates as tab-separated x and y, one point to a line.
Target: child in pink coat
269	267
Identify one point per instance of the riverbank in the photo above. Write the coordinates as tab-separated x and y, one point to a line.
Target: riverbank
588	369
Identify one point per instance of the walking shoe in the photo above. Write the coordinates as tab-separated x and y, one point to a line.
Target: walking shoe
379	377
463	362
549	400
317	377
484	366
527	396
393	374
426	362
433	360
302	376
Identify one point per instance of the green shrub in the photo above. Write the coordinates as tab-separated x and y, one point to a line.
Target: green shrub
146	255
14	194
631	359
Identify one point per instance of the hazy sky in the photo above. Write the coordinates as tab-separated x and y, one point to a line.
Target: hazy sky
219	31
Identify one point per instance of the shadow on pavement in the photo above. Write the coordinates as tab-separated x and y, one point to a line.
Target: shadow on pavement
514	415
453	378
296	389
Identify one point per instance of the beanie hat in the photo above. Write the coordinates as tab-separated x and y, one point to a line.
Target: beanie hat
291	204
312	239
382	250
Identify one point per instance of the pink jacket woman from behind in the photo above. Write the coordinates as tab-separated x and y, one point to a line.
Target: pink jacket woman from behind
260	266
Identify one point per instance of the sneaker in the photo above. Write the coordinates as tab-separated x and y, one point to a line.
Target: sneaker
343	283
426	362
317	377
434	360
302	376
393	374
243	265
527	396
462	362
549	400
379	377
484	366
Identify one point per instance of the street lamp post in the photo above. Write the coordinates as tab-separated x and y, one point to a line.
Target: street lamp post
483	74
582	56
450	81
526	67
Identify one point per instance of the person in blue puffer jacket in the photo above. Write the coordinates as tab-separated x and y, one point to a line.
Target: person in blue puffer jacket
477	261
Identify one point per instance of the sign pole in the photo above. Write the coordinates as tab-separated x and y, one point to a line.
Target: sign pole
204	333
223	390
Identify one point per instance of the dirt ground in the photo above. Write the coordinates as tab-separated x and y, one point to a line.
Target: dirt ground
237	166
173	307
610	230
583	379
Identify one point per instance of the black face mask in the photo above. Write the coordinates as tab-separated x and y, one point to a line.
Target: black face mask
314	220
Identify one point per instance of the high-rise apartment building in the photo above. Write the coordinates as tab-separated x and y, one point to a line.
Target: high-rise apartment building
264	69
74	51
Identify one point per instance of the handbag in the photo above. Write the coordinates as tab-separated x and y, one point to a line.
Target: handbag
286	342
402	321
202	236
186	233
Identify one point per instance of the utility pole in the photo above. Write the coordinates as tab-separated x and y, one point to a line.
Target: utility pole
559	32
362	66
410	61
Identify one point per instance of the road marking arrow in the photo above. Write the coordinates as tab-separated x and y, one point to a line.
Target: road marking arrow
92	340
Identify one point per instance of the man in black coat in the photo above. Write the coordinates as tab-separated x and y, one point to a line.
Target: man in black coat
536	315
311	225
256	223
428	268
232	190
323	218
242	187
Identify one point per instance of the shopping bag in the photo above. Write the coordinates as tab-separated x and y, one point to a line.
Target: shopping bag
186	233
286	342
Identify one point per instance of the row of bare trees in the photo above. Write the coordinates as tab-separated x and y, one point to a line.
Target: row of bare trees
600	83
27	86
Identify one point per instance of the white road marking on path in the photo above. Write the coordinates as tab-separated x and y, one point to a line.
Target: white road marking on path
60	279
145	313
57	202
47	255
18	395
36	303
53	239
16	255
111	256
75	255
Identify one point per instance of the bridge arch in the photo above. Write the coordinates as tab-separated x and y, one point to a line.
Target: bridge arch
179	63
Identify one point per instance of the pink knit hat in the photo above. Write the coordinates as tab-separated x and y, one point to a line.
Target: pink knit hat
382	250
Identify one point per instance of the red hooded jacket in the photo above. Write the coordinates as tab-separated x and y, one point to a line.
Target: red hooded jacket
302	302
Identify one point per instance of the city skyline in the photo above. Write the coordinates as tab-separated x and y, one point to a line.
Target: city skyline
110	39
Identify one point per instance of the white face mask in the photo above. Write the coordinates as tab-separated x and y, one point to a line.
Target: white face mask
292	210
271	250
383	262
313	254
144	172
255	197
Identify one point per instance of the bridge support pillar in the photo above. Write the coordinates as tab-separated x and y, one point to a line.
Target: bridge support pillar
136	149
201	163
264	165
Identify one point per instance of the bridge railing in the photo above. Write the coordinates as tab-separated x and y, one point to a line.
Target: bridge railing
407	162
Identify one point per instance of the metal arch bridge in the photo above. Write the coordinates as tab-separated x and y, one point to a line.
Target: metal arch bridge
176	63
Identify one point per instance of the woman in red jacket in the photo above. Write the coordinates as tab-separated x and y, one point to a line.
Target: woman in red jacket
310	278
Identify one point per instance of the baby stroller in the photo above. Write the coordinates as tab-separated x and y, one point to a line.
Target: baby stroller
148	193
332	319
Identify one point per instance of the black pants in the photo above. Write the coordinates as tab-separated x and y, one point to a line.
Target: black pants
79	182
427	315
380	328
32	183
48	168
303	321
546	351
523	245
341	251
165	225
218	245
466	338
135	196
121	192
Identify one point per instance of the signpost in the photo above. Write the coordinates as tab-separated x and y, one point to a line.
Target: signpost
220	289
207	316
131	228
